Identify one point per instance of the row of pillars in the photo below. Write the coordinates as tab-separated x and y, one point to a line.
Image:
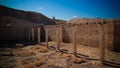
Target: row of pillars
31	34
59	39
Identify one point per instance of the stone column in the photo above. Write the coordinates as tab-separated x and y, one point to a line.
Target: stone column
61	34
33	34
106	36
57	38
39	38
94	29
74	41
89	32
101	43
25	34
46	36
29	34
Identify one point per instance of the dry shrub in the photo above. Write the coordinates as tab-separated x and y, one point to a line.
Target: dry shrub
44	66
57	55
28	62
43	50
65	55
29	53
28	47
76	60
20	49
25	62
40	62
73	58
33	62
6	49
19	45
54	66
26	53
36	47
30	65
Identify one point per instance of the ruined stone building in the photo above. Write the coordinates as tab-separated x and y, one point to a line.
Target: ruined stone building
17	25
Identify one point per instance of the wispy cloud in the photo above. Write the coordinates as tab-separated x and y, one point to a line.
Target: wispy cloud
40	8
74	16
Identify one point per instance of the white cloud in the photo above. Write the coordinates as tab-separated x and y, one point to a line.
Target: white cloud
74	16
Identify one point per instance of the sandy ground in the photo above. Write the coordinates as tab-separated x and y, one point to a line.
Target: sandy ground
38	56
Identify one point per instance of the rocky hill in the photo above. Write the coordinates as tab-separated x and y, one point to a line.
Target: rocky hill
14	24
25	15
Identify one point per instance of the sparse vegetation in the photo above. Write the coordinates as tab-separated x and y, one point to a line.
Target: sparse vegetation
41	49
31	57
26	53
29	65
40	62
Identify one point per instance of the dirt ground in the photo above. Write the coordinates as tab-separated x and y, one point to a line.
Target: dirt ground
38	56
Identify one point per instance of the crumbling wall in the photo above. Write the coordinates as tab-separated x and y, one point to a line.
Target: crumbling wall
116	34
51	32
19	32
87	34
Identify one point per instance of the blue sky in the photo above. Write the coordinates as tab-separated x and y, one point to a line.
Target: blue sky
68	9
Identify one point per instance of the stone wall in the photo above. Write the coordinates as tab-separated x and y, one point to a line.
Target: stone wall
88	34
116	34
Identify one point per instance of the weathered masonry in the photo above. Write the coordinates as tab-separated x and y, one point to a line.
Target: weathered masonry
87	34
97	34
59	35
